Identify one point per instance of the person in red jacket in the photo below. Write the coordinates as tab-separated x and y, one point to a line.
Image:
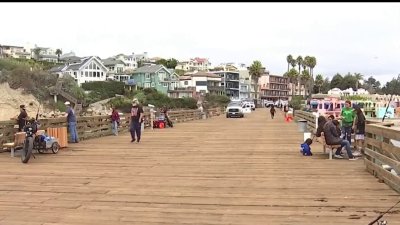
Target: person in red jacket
114	121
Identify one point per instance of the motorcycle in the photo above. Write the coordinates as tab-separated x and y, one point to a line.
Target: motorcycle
30	130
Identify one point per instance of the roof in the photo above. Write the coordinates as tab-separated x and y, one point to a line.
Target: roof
149	69
185	77
200	60
70	58
111	61
202	74
57	69
78	65
205	74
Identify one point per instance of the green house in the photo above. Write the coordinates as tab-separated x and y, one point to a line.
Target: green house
155	76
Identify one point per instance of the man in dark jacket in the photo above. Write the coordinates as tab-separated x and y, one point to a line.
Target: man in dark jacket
22	118
333	138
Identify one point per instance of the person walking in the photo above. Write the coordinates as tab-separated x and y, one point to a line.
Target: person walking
115	121
272	111
136	120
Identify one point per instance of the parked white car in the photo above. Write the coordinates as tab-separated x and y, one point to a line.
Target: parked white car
234	110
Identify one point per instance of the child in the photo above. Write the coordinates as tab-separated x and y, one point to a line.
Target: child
305	147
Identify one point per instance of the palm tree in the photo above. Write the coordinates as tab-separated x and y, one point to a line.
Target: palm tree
305	79
319	81
58	53
358	77
292	75
312	63
293	63
289	60
256	70
299	61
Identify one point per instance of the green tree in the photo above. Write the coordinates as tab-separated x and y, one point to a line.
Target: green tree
319	81
372	85
358	77
392	87
348	81
171	63
289	60
162	62
336	81
299	62
58	53
325	86
36	52
305	79
293	63
293	76
256	70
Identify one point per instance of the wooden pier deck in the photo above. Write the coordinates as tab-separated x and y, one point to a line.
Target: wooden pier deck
218	171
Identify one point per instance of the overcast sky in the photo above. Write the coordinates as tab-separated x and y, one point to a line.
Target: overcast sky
344	37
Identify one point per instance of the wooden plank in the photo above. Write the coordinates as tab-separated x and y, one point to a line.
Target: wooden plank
384	159
392	180
386	132
389	149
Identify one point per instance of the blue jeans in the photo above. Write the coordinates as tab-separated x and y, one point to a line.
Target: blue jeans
346	133
73	132
114	127
346	145
135	128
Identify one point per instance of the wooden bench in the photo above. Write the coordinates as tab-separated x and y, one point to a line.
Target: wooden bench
19	139
326	146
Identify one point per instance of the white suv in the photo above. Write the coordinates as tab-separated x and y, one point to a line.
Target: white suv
234	110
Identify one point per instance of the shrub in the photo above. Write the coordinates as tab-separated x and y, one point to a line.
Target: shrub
104	89
217	100
296	102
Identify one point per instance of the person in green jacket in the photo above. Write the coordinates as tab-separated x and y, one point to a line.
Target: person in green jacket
347	115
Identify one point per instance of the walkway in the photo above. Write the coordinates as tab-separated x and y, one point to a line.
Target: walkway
218	171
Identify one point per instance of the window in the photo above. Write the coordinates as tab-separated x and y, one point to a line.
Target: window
146	85
90	74
86	73
153	84
75	74
186	82
98	74
201	83
165	84
102	74
147	76
81	73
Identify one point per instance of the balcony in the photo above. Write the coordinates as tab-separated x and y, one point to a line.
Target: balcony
179	89
215	88
275	87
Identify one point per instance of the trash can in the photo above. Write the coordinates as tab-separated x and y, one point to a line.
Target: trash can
302	125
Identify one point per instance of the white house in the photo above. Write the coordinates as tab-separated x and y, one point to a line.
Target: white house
45	54
129	61
14	52
347	92
202	82
199	64
114	66
84	70
335	91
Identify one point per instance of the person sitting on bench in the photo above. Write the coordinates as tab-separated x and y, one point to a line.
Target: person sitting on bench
332	137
